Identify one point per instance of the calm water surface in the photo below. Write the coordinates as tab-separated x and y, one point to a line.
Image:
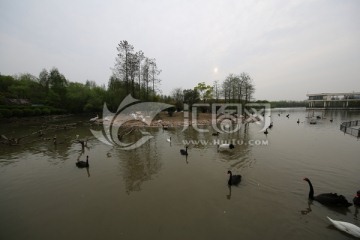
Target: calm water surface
155	193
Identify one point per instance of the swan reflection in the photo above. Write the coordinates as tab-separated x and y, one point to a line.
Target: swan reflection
228	196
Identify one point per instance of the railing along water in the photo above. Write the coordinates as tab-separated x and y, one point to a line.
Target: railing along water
350	128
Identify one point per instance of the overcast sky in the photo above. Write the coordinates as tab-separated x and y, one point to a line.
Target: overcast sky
290	48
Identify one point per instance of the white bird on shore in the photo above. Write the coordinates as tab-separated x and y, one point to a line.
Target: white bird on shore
133	115
169	140
346	227
226	146
142	118
94	118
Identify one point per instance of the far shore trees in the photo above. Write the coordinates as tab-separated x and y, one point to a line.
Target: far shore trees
133	73
137	73
178	95
235	88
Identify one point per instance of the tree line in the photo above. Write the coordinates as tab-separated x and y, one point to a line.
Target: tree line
133	73
49	93
235	88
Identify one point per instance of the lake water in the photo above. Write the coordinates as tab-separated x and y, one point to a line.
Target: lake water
153	192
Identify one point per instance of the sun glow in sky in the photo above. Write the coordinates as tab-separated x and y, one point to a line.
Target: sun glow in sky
215	70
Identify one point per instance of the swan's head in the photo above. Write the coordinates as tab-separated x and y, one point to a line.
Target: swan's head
229	172
306	179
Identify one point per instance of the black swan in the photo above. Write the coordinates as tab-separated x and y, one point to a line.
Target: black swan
298	121
329	199
216	134
271	125
184	152
234	179
82	164
356	199
288	115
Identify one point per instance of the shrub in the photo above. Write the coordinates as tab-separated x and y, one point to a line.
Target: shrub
6	113
37	112
27	112
45	111
171	111
17	112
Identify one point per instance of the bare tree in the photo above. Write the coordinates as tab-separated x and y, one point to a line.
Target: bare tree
140	58
154	71
216	90
123	63
248	86
146	77
238	88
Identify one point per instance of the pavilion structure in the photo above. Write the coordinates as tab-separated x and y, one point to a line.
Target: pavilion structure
333	100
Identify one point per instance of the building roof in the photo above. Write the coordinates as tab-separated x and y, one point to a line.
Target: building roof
332	94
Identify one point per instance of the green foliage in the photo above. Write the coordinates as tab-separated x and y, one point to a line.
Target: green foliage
205	91
37	112
191	96
76	97
133	73
28	112
287	104
17	112
5	83
5	113
178	98
45	111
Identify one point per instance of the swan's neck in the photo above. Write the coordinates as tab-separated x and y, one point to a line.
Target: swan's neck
230	178
311	193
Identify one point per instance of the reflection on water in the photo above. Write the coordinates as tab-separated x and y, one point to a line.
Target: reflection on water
154	192
139	165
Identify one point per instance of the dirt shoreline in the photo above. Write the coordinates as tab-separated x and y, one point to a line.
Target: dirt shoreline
164	120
